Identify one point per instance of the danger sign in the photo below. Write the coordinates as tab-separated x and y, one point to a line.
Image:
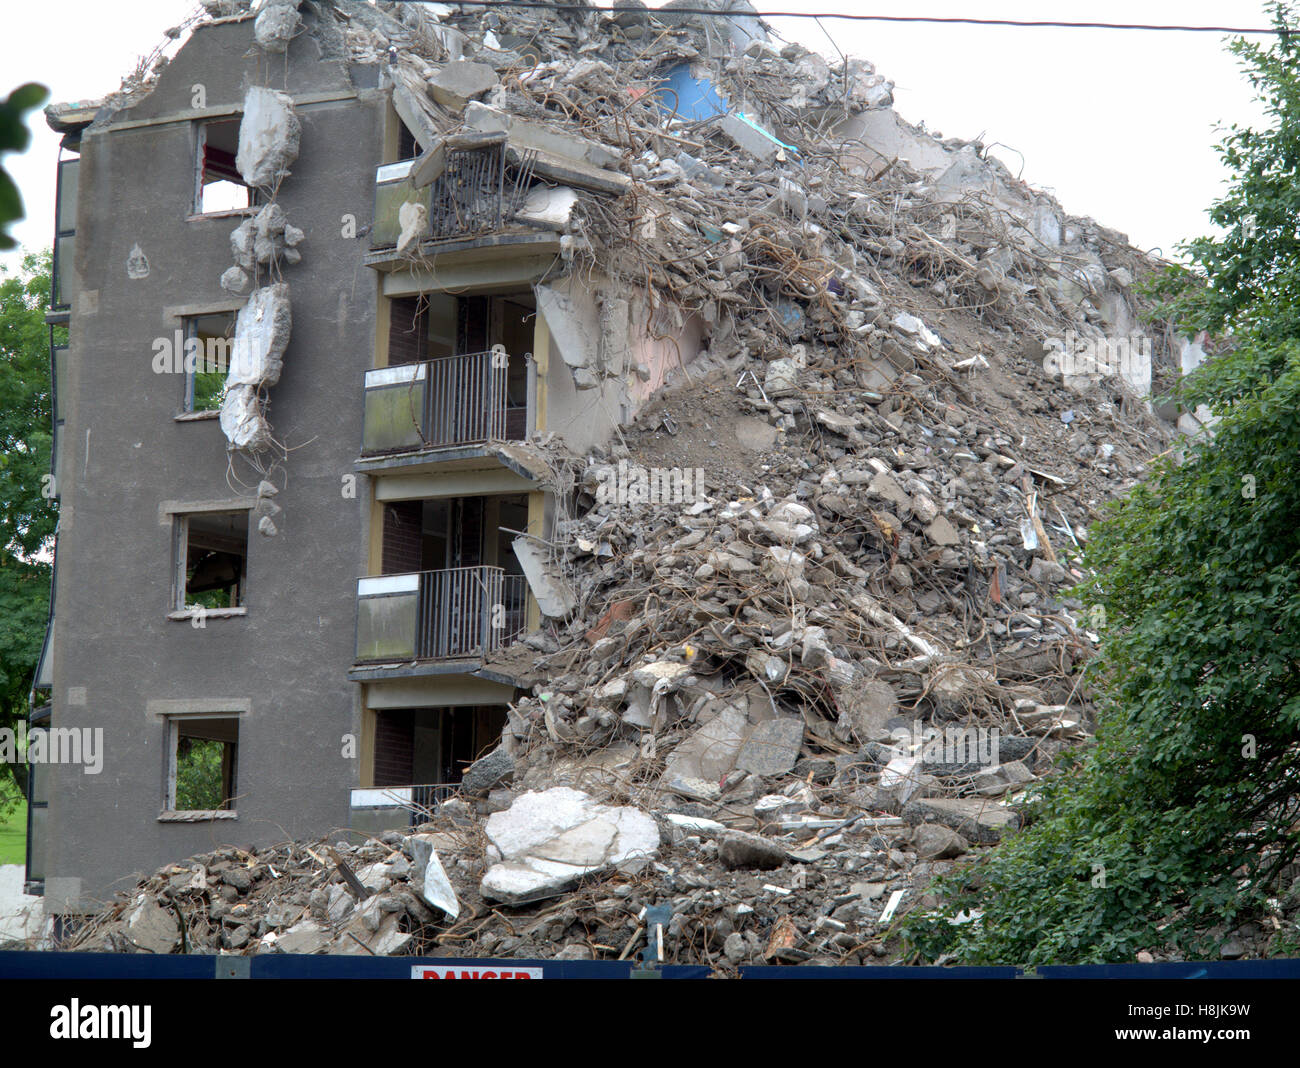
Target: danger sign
452	971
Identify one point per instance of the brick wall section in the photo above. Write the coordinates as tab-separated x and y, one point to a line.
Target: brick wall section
402	537
408	331
394	748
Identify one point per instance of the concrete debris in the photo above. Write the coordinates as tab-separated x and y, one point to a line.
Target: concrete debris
783	697
431	881
549	840
276	25
262	330
459	82
236	280
243	419
151	928
549	587
487	772
269	133
978	821
266	239
413	219
736	849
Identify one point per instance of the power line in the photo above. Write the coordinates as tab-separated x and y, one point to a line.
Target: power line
929	19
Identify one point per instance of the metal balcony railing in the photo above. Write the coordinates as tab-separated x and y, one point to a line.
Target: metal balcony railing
480	184
455	400
456	613
418	800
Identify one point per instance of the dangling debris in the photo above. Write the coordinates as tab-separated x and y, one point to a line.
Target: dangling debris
268	137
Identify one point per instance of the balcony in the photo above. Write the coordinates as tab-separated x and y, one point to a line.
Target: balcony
388	808
470	186
457	614
451	402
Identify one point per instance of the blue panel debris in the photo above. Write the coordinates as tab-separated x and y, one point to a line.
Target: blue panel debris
693	99
770	136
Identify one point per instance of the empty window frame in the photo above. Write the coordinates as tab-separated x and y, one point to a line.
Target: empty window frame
65	231
203	753
211	557
218	186
206	359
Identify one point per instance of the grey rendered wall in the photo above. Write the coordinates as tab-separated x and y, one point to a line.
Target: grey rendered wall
286	661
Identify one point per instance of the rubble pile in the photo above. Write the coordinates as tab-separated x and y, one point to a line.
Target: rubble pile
780	698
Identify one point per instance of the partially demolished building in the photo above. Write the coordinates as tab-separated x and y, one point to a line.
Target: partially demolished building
397	335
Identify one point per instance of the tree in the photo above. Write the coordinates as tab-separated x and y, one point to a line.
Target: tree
27	511
14	137
1181	821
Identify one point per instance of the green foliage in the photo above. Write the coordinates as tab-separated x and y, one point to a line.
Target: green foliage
13	826
14	137
1178	821
199	781
27	512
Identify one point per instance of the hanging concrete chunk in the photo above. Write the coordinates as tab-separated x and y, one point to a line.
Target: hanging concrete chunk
235	280
261	336
548	208
276	25
554	595
549	839
414	221
242	419
268	137
575	328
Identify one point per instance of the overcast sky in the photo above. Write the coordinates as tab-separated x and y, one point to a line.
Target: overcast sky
1119	125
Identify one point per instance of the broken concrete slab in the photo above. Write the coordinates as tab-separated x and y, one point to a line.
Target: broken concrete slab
934	841
460	81
747	136
527	134
979	821
548	208
431	881
772	747
710	751
152	928
869	705
997	780
781	378
942	532
269	135
307	936
901	779
554	595
547	840
236	280
573	327
884	485
487	772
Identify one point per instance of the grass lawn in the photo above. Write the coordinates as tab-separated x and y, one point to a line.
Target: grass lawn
13	836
